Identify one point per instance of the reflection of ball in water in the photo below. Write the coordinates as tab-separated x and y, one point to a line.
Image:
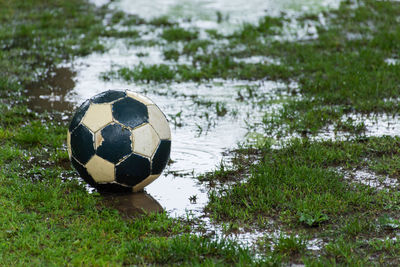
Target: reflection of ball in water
119	141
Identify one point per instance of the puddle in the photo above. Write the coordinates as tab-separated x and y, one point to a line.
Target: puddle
315	244
242	236
271	238
382	125
392	61
206	118
259	59
371	179
50	92
375	125
133	204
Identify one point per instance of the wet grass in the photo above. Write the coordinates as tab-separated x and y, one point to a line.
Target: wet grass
54	222
343	71
342	74
205	68
302	190
302	181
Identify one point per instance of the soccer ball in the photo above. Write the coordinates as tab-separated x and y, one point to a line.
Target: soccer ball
119	141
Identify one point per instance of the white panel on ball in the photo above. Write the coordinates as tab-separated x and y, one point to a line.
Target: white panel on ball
101	170
145	140
159	122
140	98
97	116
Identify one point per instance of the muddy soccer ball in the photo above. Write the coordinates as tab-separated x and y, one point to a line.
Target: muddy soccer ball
119	141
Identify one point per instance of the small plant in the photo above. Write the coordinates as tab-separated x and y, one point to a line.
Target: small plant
177	119
171	54
289	245
193	199
356	226
162	21
221	109
350	126
341	250
312	219
230	227
142	54
178	34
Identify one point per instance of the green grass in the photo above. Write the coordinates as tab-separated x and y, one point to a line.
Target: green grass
55	222
301	182
302	189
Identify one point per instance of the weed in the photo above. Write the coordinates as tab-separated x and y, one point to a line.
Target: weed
162	21
289	245
174	34
312	219
171	54
158	73
342	251
195	46
357	226
221	109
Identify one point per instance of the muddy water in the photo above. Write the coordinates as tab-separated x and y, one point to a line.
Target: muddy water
53	96
133	204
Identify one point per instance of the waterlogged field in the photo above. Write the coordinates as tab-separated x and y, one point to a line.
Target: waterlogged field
284	122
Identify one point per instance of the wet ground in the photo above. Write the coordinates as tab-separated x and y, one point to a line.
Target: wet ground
207	119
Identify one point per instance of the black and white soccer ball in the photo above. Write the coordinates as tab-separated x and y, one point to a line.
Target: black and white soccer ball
119	141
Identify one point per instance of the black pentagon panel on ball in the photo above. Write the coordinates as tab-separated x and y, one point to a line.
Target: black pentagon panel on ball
116	143
130	112
161	157
83	172
82	144
80	112
132	170
108	96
